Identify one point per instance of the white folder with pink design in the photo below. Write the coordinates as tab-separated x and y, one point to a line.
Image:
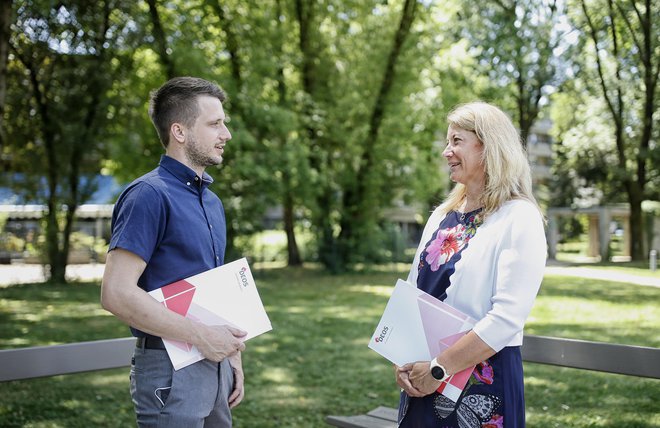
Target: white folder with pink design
416	326
226	295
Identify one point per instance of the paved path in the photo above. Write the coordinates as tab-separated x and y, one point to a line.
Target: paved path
19	274
604	274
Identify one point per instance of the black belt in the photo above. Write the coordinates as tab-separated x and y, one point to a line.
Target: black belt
150	342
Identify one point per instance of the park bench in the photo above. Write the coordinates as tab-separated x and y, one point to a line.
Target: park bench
41	361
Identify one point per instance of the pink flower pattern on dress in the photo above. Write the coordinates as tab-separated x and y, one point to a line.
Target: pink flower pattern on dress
496	421
448	242
442	248
483	372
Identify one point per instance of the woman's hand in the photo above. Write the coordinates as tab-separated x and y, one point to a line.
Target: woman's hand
421	379
402	375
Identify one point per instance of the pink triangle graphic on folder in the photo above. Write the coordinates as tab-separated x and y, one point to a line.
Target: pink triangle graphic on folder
178	297
441	330
175	288
446	342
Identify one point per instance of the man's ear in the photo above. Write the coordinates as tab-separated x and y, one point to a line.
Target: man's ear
178	132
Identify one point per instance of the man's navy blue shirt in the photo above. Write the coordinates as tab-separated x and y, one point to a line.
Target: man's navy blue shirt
171	220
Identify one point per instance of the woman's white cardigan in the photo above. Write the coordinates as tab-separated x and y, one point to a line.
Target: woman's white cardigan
499	273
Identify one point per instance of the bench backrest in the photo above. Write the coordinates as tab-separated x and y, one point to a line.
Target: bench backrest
40	361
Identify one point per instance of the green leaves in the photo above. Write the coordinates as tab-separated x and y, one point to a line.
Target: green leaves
334	116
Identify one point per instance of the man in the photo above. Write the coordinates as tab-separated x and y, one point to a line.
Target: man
166	226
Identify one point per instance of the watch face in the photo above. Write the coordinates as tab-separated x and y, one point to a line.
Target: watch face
437	373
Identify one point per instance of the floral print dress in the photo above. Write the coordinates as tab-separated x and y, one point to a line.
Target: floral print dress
494	396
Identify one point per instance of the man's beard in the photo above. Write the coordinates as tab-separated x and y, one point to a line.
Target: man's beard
197	157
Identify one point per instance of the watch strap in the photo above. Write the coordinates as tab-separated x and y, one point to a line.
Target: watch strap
435	373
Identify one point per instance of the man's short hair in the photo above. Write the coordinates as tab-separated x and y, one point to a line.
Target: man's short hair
176	102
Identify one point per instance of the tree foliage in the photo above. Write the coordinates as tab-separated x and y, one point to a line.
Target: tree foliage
620	67
328	123
58	103
518	44
337	107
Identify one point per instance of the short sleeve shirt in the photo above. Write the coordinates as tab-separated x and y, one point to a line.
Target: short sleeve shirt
171	220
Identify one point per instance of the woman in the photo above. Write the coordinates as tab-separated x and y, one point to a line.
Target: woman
483	252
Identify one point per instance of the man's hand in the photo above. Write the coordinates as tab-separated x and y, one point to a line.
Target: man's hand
238	393
219	341
403	380
421	379
121	295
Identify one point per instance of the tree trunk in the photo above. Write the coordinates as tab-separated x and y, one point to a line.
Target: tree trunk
358	208
293	254
527	110
5	33
304	15
53	248
292	250
328	248
636	222
330	252
53	251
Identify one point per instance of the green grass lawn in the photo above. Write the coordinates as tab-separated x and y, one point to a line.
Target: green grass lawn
315	362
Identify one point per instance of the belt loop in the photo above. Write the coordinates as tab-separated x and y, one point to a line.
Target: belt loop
141	342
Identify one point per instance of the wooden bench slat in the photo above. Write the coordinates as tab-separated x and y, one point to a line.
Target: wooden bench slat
54	360
603	357
359	421
39	361
386	413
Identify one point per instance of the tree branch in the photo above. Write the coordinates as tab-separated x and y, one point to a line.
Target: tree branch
232	44
623	14
599	65
378	112
161	40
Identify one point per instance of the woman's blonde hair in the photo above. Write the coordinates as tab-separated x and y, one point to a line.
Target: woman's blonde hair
507	172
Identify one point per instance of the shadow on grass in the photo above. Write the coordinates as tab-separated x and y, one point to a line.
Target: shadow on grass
98	399
45	314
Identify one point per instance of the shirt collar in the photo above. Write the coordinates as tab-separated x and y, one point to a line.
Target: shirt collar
183	173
